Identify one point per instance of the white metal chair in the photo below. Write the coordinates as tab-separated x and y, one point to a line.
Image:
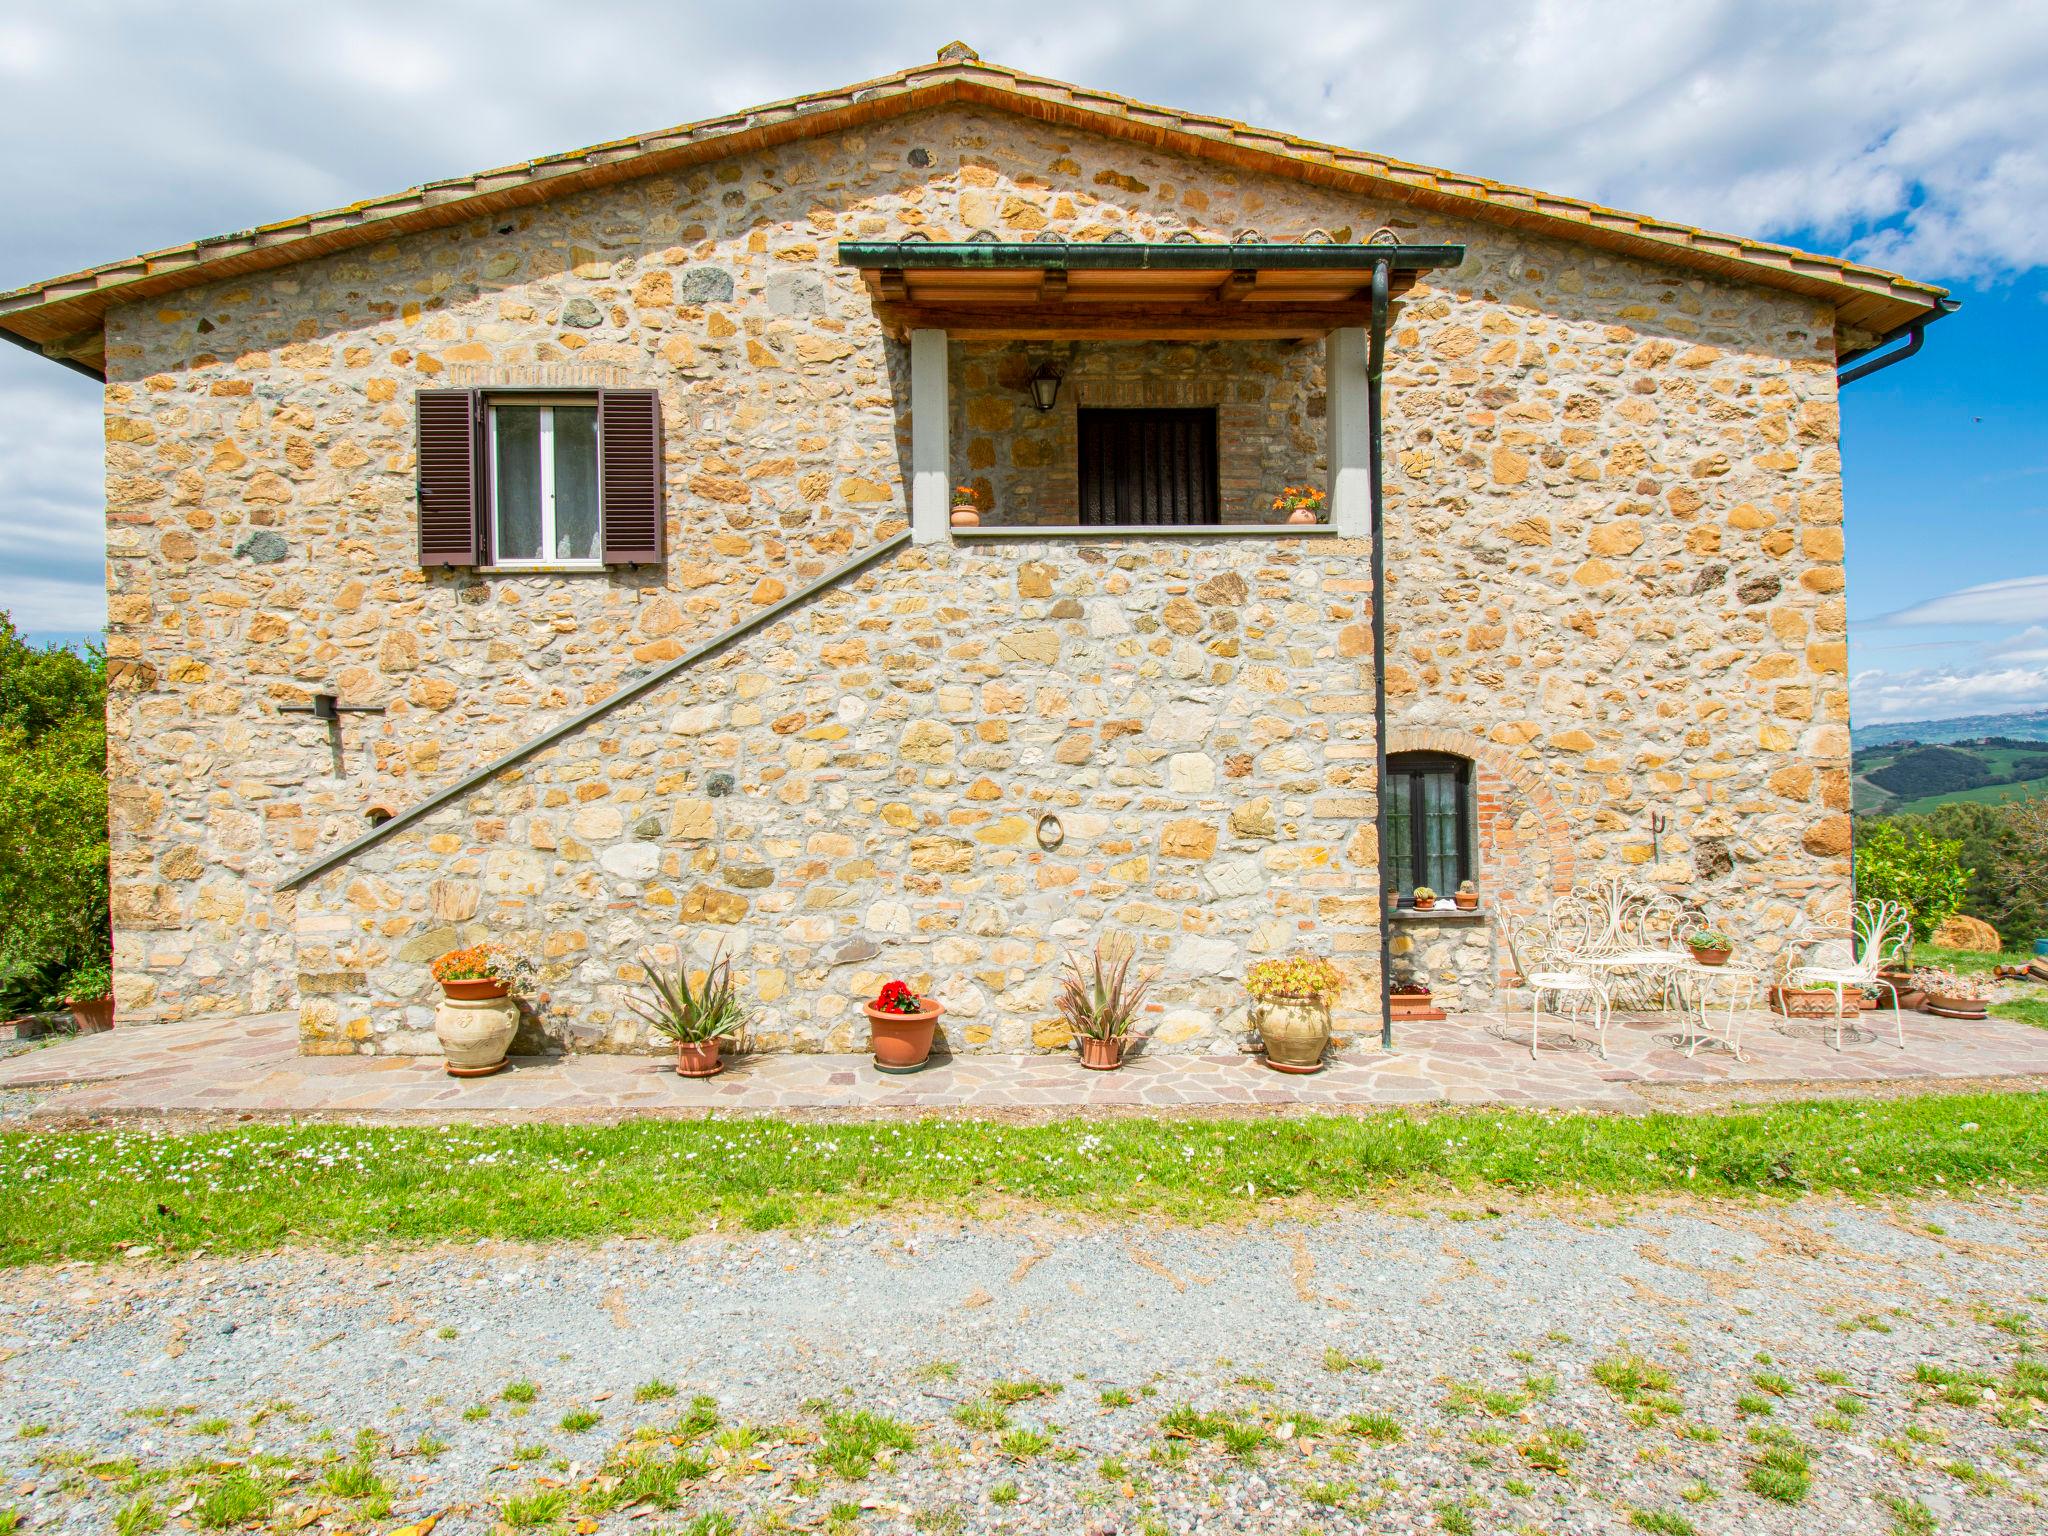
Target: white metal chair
1540	969
1877	933
1631	937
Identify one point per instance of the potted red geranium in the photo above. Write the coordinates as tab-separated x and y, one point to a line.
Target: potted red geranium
900	1028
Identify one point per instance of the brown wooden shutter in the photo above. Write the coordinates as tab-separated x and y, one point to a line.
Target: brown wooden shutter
449	441
632	481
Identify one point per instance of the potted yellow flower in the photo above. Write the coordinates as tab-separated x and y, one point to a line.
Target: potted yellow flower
1291	1006
1301	503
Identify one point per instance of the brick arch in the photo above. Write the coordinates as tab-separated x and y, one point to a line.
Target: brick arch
1506	795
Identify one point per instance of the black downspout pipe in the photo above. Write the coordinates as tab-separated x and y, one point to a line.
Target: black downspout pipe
1879	364
1914	330
1375	361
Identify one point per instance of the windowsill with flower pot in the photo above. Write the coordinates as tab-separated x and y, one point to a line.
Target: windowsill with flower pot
1405	914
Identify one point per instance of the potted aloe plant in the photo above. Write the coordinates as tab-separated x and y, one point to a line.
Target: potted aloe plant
900	1028
1100	1008
1710	946
477	1017
1291	999
699	1018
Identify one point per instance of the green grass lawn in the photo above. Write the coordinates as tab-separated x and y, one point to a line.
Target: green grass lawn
84	1194
1967	962
2023	1010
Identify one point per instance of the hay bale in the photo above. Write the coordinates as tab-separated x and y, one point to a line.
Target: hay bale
1970	933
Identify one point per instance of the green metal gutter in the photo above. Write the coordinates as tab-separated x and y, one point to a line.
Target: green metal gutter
632	689
1157	256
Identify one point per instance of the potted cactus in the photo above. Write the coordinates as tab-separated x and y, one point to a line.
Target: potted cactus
699	1018
1425	898
1099	1008
1466	896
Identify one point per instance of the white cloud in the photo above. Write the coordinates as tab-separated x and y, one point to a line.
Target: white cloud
1915	138
2029	646
1934	693
2018	600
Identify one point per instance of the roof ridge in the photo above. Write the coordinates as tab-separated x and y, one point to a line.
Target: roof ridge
67	308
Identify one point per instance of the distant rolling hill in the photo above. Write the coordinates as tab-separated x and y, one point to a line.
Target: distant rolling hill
2027	725
1917	775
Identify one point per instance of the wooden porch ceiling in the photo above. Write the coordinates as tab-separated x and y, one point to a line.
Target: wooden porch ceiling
980	291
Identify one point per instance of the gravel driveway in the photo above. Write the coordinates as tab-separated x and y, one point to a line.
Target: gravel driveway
1691	1367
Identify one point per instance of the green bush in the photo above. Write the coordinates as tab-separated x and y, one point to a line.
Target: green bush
53	822
1904	862
2004	847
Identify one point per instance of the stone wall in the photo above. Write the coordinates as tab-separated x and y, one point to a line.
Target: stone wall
1025	463
1613	490
1615	535
855	793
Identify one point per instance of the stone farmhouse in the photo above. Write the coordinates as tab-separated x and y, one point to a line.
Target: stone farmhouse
562	555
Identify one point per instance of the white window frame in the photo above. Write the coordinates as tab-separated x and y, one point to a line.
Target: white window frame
546	405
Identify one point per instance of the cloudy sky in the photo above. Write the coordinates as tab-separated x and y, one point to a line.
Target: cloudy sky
1913	136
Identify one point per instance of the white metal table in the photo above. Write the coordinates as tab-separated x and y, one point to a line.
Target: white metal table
1739	986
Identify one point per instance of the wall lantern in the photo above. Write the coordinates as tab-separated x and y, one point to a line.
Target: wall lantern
1050	833
1045	384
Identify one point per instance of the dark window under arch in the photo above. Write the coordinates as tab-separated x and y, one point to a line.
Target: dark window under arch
1429	821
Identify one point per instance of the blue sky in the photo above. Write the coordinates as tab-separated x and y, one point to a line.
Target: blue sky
1913	138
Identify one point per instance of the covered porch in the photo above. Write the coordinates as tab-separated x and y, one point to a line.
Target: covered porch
1175	387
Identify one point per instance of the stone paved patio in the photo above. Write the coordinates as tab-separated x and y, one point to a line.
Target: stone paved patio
250	1066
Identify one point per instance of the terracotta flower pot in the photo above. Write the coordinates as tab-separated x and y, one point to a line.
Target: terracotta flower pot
1712	956
902	1042
1295	1032
475	989
1302	515
1952	1005
1104	1053
698	1058
475	1032
92	1014
966	515
1466	903
1805	1003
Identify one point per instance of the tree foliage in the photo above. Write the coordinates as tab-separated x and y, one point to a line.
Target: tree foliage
2004	847
1901	860
53	815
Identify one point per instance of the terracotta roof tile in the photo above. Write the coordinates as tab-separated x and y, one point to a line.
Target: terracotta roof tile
64	308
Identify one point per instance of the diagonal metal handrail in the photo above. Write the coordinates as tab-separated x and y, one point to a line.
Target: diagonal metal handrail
632	689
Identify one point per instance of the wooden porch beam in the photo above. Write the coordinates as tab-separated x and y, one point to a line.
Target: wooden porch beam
1122	322
1237	287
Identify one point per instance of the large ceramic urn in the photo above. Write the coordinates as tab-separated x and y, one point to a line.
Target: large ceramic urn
475	1024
